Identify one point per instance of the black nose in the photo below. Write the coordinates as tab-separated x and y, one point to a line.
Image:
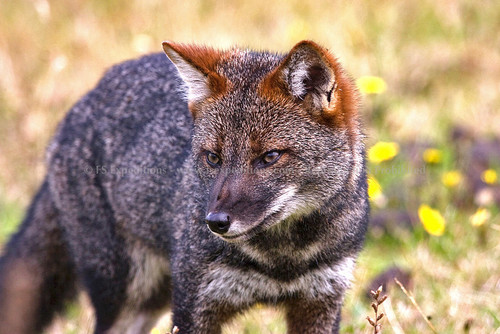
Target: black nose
218	222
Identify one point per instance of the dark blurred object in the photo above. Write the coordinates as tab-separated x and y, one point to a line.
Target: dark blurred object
387	221
484	154
475	155
461	134
386	279
468	324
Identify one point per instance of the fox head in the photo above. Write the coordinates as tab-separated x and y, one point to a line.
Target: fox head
275	136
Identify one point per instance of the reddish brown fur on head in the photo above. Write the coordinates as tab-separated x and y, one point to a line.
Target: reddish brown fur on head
198	67
309	76
312	77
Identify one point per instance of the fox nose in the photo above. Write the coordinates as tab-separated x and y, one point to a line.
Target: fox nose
218	222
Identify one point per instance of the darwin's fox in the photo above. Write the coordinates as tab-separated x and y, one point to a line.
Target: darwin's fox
204	184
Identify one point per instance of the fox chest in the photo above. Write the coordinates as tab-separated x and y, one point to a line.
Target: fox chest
243	287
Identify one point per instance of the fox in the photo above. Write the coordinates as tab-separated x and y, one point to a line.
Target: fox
203	182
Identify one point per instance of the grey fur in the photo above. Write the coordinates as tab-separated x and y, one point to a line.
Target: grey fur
122	210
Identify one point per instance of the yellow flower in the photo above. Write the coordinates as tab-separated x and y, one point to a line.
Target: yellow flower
155	330
432	155
374	188
480	217
452	178
371	85
432	220
383	151
375	192
489	176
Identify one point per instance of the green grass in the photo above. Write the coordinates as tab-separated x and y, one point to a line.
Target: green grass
10	216
440	61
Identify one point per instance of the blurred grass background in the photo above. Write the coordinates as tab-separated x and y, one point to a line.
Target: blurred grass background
440	61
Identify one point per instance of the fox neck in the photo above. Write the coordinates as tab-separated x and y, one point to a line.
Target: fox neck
298	241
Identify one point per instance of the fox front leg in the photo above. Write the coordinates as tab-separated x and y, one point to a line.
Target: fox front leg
313	316
199	315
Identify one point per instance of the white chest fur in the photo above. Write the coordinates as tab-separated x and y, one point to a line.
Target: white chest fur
244	287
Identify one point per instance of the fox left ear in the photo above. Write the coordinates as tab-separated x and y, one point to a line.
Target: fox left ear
308	74
197	66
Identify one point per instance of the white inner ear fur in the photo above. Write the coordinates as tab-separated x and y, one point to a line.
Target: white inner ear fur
296	74
196	81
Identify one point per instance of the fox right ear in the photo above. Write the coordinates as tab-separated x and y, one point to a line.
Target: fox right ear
308	75
197	66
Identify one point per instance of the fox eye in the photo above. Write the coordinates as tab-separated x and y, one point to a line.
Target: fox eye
213	159
271	157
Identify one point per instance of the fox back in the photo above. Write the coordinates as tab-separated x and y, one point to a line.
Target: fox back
242	183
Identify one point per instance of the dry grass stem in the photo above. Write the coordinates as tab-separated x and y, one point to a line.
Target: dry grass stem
391	317
378	300
414	302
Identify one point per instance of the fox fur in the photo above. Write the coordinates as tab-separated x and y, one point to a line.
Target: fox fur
205	182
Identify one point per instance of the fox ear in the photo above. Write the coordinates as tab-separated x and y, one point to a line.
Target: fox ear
307	74
197	66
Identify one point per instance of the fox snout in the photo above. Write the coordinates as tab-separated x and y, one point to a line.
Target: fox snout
234	206
240	206
225	199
